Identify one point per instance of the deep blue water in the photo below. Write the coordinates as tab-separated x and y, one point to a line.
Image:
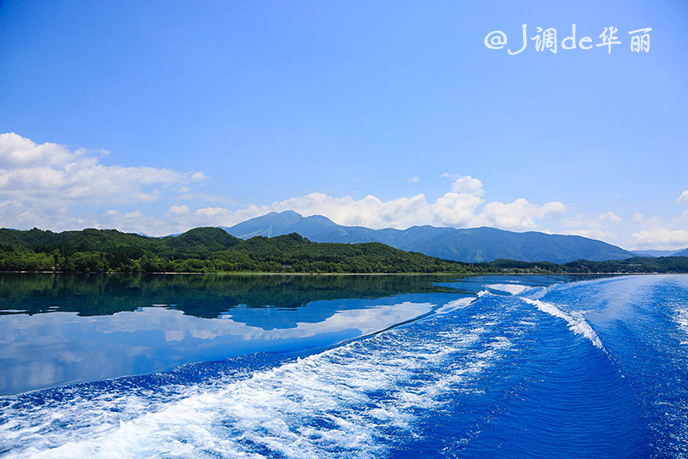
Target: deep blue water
505	367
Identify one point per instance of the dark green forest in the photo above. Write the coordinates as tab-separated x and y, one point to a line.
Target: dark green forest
203	250
213	250
635	265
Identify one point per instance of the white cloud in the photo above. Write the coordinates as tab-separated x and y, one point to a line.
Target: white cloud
52	174
660	238
468	185
17	151
520	214
683	198
594	233
415	179
456	209
609	218
133	222
369	211
598	227
41	184
176	211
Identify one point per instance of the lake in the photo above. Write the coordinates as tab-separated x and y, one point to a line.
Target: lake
343	366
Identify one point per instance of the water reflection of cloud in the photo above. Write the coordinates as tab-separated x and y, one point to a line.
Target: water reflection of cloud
56	348
175	335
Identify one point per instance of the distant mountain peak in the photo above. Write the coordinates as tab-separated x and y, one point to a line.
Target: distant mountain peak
284	216
286	213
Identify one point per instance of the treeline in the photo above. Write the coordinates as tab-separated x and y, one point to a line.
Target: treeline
204	250
213	250
636	265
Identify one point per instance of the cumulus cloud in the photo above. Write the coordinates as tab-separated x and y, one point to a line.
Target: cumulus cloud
133	222
415	179
609	218
595	227
51	173
520	214
456	209
15	214
40	183
593	233
683	198
468	185
369	211
176	211
17	151
660	238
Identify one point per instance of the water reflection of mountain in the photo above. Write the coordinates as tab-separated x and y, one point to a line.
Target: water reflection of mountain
205	296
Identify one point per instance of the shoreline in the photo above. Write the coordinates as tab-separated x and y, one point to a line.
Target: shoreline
258	273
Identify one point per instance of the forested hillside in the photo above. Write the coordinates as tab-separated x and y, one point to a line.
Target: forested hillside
202	250
212	250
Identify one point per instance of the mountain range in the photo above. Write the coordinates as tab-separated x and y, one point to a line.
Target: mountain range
661	253
471	245
682	253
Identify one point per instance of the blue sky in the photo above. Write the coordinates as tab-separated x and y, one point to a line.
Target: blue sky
161	116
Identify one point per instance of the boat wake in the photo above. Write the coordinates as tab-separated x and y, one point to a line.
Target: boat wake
574	319
354	400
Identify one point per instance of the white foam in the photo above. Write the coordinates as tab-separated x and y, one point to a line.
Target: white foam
575	320
344	402
456	304
681	319
513	289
